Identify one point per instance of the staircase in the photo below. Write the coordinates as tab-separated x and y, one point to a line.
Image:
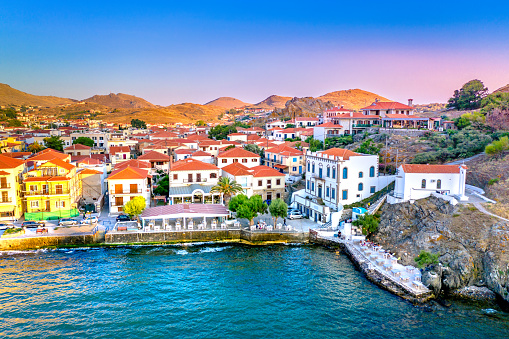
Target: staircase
376	205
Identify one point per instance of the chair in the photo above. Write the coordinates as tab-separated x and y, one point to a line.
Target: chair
223	226
178	227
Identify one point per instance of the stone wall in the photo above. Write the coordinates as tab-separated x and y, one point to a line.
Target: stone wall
294	237
21	244
166	237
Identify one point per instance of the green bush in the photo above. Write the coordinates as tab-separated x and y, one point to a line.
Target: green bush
367	222
493	181
425	259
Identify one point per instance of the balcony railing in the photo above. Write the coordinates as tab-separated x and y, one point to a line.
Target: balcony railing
361	125
318	176
128	191
48	192
5	186
195	180
5	201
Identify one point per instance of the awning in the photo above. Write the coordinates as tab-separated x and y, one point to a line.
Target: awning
280	166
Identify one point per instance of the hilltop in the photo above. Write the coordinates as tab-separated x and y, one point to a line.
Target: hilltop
504	89
352	98
11	96
120	100
227	102
302	107
274	101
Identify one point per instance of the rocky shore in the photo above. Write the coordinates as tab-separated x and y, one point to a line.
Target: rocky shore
471	247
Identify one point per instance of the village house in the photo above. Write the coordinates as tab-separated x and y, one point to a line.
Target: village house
240	137
246	158
327	130
396	115
126	183
285	159
78	149
11	206
119	154
157	161
415	182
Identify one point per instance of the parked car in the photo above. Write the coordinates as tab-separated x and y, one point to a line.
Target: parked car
89	220
4	226
67	222
295	215
292	209
32	224
123	217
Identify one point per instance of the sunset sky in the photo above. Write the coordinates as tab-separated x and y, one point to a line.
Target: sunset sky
194	51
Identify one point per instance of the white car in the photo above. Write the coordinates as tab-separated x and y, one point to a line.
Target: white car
295	215
89	220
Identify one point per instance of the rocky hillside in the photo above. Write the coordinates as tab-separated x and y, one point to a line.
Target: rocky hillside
274	101
11	96
504	89
472	247
302	107
352	98
227	103
120	100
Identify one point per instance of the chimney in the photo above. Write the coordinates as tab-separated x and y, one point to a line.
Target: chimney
410	102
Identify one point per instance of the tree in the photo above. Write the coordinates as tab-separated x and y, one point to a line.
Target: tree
498	147
367	222
200	123
290	126
368	147
278	209
227	187
232	111
54	142
137	123
220	132
163	186
469	96
425	259
135	207
84	141
253	148
247	208
314	145
35	147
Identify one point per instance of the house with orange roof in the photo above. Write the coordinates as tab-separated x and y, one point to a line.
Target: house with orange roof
327	130
285	159
119	154
126	183
203	157
237	154
415	182
78	149
337	177
396	115
240	137
157	161
163	135
191	181
11	201
52	190
275	124
48	154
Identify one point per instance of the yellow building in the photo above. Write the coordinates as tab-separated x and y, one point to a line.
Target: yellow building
10	144
52	190
11	171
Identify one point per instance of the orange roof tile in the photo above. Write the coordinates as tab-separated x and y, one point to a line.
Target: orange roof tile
119	149
77	147
237	169
340	152
387	105
7	162
153	155
265	171
48	154
408	168
238	153
60	163
129	173
132	163
201	154
191	164
330	125
90	171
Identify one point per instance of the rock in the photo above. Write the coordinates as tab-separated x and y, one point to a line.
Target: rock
432	278
474	292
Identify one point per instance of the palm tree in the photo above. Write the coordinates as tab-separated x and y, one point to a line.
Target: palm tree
227	187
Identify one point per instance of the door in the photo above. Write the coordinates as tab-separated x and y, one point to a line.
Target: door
45	189
300	169
133	188
3	182
198	177
59	189
118	189
119	201
190	177
319	191
5	196
47	206
269	196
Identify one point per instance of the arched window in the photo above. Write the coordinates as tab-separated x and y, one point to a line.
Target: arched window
439	184
328	171
361	186
345	173
309	166
361	174
372	171
423	183
313	171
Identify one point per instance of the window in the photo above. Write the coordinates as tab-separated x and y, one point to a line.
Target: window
439	184
361	186
244	161
34	204
320	173
312	186
423	183
59	204
278	182
278	195
33	187
333	193
345	173
333	173
309	167
259	182
294	169
235	160
175	176
294	159
361	174
269	183
101	138
307	184
327	192
372	189
224	161
313	168
372	171
345	194
253	160
328	172
213	175
133	188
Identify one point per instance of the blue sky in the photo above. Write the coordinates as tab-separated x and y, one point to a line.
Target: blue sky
172	52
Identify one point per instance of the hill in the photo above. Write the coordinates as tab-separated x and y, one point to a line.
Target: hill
274	101
504	89
302	107
11	96
352	99
120	100
227	102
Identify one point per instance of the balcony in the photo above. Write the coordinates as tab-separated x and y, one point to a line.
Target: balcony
195	181
128	191
5	186
48	192
318	176
5	201
361	125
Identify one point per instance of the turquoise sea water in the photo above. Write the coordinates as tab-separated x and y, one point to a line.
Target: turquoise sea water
215	292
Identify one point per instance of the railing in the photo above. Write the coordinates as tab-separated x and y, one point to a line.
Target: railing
5	200
129	191
48	192
318	176
190	181
5	186
362	125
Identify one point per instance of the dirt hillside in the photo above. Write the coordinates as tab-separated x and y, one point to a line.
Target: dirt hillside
227	102
11	96
120	100
352	98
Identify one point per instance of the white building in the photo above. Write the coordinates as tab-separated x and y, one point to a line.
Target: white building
420	181
127	183
237	154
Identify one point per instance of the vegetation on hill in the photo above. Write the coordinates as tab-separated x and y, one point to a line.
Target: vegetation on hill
8	117
469	96
220	132
137	123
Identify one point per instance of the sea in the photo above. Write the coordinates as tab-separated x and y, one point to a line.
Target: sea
216	291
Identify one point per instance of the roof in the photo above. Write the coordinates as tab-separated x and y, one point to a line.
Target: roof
284	149
408	168
237	169
90	171
306	119
129	173
238	153
4	173
119	149
60	163
132	163
184	151
187	190
8	162
89	161
201	154
185	209
46	178
387	105
16	154
48	154
197	137
77	147
340	152
153	155
330	125
265	171
191	164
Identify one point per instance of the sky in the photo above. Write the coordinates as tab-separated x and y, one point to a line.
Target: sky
170	52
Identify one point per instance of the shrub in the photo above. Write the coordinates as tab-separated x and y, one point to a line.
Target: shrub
493	181
425	259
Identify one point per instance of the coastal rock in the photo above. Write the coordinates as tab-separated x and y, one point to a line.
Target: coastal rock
433	279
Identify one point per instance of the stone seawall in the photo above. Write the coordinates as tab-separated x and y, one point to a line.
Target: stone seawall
258	237
33	243
172	237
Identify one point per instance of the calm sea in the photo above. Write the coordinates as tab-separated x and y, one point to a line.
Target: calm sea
212	291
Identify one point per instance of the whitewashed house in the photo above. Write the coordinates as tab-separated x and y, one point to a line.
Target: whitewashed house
127	183
246	158
420	181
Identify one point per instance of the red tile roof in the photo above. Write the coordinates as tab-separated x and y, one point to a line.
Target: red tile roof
265	171
60	163
330	125
48	154
77	147
284	149
90	171
387	105
119	149
408	168
132	163
129	173
237	169
190	164
340	152
238	153
201	154
153	155
8	162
